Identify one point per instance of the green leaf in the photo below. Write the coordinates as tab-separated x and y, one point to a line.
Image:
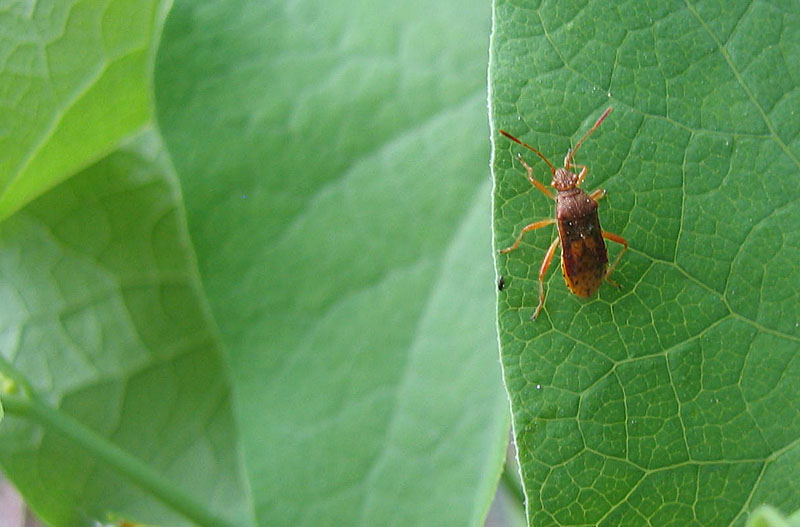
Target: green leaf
101	313
333	161
74	80
676	400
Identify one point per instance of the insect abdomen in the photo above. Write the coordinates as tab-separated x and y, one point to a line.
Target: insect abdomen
583	251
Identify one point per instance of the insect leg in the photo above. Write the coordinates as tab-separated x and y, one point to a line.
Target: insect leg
532	227
548	257
534	182
622	241
598	194
582	175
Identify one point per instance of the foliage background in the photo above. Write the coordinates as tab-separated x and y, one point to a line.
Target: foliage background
252	287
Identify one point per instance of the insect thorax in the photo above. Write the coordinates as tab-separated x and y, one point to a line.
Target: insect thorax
574	204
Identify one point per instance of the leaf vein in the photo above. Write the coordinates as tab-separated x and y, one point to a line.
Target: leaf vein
724	52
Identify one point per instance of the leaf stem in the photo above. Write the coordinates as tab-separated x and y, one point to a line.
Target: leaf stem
30	406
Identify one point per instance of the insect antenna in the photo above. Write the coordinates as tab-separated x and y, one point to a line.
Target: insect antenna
529	147
568	159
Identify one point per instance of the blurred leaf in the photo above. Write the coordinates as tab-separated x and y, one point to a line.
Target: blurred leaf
100	309
766	516
74	81
675	401
333	161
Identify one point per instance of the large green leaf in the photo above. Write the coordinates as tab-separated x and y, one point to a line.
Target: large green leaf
74	81
102	316
675	401
333	159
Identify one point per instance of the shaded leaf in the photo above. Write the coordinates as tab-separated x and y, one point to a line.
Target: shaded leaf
333	160
102	314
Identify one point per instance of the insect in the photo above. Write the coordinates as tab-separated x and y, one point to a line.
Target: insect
584	260
501	283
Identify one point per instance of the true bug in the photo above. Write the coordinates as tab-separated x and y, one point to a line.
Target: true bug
584	260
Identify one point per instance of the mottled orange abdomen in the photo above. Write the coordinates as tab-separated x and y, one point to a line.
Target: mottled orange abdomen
583	251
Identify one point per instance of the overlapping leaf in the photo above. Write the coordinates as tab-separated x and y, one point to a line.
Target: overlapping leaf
74	81
333	160
102	315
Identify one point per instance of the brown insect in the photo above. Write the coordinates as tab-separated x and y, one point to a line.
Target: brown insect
584	260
